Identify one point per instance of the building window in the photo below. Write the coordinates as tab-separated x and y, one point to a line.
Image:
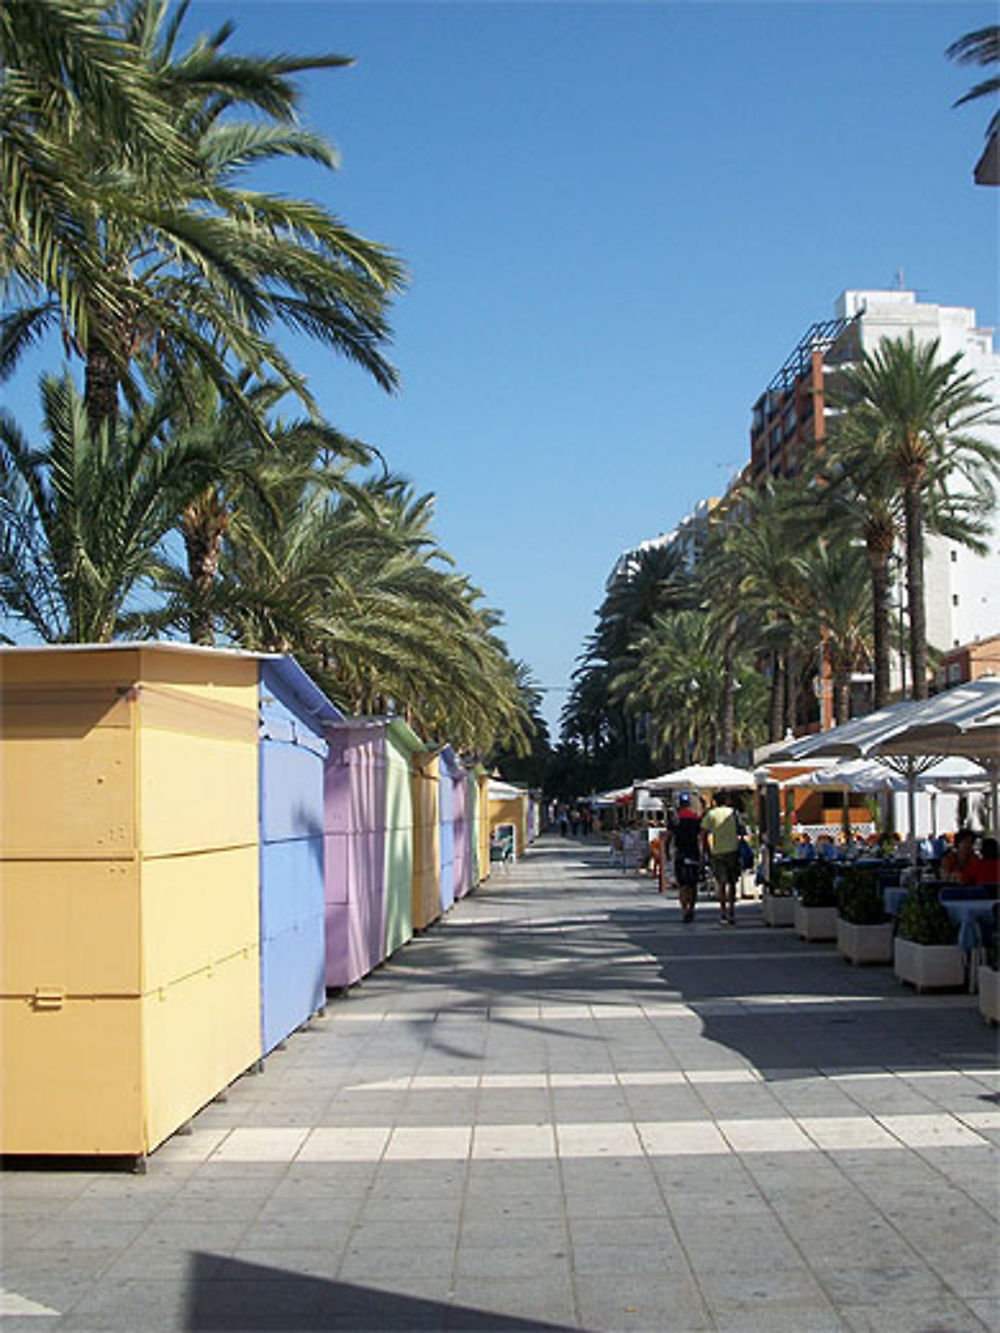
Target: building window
954	599
954	557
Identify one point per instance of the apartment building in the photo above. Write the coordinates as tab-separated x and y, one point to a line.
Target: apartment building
962	589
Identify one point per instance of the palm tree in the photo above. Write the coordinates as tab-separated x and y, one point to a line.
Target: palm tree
82	517
347	576
981	47
853	498
749	587
62	67
834	600
920	417
678	676
268	463
170	256
654	580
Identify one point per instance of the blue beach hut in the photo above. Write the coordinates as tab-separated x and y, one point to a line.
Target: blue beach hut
292	752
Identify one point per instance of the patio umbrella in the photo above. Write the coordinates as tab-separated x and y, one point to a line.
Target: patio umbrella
870	775
703	777
915	735
969	729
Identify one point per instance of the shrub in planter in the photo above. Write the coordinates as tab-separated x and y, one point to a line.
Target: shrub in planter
816	885
860	898
816	904
923	920
777	902
925	952
864	935
782	881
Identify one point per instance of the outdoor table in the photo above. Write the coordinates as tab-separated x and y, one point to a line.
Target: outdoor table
971	914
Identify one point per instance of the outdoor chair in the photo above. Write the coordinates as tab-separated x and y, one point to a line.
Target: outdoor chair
502	852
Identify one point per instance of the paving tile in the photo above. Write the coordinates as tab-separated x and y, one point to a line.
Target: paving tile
641	1302
938	1316
680	1138
429	1143
259	1145
512	1260
778	1134
931	1131
597	1139
545	1300
344	1144
495	1142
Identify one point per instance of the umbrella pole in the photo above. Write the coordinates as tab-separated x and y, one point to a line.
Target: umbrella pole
911	807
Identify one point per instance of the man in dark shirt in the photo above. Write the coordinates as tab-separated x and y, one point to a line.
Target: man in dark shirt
687	855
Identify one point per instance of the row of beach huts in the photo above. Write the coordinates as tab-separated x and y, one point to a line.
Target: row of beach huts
195	847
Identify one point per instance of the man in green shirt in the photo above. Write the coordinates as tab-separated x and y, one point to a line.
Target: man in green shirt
720	836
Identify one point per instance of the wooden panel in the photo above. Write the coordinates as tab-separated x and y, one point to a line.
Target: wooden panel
197	792
72	1080
199	1035
197	910
70	926
67	781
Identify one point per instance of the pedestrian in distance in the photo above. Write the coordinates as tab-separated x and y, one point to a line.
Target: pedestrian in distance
685	836
720	840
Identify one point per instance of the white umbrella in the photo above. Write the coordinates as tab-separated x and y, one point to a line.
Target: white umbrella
702	777
868	775
969	728
914	735
606	799
955	710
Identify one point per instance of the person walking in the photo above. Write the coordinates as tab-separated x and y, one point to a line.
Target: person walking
684	834
720	839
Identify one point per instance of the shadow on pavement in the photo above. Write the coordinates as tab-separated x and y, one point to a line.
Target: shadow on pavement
787	1005
229	1294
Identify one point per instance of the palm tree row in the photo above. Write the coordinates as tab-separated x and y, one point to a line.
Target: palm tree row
793	586
172	492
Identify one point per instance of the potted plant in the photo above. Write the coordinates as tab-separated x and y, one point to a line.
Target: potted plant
989	983
864	933
776	901
816	902
926	953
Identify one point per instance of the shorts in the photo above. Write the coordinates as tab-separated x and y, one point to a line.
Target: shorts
726	868
687	872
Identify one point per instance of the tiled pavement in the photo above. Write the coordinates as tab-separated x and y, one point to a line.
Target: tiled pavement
562	1109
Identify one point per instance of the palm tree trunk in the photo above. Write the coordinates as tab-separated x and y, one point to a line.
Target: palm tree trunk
841	689
727	731
913	515
776	712
204	524
878	564
791	690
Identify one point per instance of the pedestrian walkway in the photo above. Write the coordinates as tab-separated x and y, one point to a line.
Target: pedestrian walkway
560	1109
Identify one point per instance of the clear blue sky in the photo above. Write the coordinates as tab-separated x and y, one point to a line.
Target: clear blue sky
619	219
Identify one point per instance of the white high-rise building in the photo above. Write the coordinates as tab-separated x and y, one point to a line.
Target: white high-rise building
962	589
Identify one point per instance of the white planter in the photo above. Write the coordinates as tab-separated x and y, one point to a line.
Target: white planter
778	909
929	966
865	944
815	923
989	994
